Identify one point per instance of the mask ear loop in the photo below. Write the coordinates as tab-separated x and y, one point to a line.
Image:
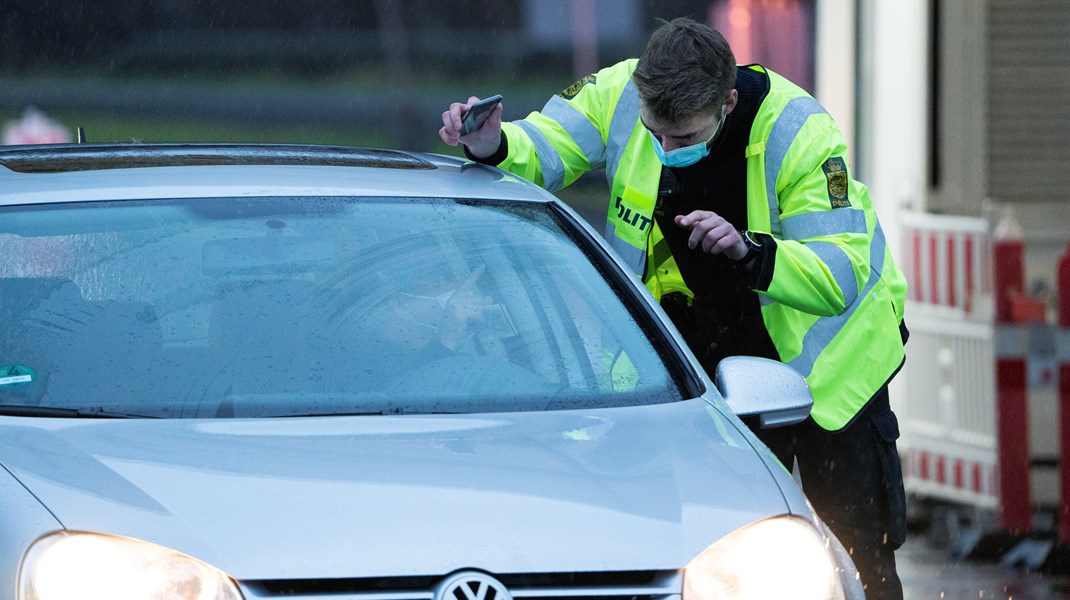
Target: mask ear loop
720	126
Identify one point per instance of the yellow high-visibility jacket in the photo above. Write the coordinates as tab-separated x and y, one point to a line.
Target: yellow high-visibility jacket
834	305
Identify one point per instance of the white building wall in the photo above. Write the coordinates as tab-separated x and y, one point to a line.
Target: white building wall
894	108
834	76
880	102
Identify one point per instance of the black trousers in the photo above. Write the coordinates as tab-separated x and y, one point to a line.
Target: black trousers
854	480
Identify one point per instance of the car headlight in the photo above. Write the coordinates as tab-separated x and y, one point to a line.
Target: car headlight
784	557
90	566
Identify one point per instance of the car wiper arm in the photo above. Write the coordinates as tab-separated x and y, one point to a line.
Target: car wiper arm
25	410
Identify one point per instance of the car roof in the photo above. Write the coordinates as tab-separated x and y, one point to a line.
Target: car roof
84	172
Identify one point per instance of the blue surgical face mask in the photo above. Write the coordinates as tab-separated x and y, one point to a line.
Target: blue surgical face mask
688	155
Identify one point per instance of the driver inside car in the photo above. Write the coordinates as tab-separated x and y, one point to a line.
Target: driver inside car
439	313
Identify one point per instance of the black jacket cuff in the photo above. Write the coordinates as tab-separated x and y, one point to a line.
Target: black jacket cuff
494	159
759	273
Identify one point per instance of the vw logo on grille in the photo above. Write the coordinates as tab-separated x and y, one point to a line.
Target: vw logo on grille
471	585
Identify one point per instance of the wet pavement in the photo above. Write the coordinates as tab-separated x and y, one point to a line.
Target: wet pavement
928	572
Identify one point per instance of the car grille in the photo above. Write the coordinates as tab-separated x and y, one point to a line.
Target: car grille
627	585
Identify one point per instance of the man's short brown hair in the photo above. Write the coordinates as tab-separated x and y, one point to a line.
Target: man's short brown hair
686	69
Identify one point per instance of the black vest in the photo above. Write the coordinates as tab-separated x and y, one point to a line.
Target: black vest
725	318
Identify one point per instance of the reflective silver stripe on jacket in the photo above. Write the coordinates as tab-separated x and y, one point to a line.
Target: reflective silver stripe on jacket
826	222
620	128
636	258
829	222
579	128
553	170
633	257
787	126
840	265
826	328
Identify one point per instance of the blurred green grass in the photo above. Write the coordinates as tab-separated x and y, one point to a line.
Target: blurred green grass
360	109
105	127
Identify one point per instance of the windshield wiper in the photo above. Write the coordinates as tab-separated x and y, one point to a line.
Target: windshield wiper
24	410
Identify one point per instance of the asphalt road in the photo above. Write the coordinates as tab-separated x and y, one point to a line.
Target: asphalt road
929	572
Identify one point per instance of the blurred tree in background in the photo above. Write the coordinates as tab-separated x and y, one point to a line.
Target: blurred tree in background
355	72
338	71
302	37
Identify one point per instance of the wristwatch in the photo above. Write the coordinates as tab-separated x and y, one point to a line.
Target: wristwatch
754	247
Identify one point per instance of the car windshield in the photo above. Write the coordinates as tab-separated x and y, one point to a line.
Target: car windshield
262	307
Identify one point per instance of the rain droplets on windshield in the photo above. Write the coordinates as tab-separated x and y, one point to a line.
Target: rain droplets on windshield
284	306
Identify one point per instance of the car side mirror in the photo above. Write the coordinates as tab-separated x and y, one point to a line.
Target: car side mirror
763	391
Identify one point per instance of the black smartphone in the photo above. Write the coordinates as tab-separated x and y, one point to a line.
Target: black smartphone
477	114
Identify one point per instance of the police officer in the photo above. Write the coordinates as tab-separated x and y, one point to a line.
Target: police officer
732	198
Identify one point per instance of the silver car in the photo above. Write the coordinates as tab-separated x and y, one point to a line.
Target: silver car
245	371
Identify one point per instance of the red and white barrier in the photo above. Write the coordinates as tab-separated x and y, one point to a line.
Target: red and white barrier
1062	356
952	476
1012	389
948	262
945	395
963	398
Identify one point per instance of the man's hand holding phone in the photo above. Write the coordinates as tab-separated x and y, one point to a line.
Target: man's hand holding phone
478	113
478	122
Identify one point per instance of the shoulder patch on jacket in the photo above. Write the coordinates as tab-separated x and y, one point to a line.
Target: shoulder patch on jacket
836	174
570	92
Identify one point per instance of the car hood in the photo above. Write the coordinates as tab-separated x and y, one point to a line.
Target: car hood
324	497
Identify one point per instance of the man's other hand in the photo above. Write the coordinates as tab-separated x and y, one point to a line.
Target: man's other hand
713	234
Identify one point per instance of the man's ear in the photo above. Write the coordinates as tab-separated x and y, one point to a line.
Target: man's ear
730	104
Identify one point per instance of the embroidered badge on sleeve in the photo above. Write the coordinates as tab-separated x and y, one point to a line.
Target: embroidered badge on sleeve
836	174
